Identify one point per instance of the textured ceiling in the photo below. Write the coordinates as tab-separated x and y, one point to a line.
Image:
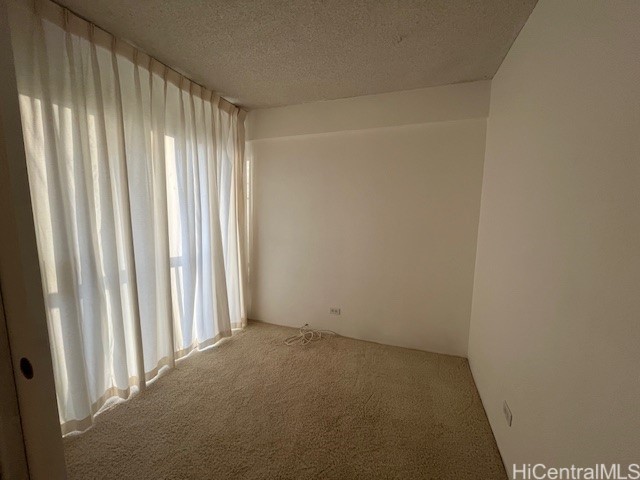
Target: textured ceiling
261	53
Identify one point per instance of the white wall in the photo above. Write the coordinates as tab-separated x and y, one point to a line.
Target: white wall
371	205
555	328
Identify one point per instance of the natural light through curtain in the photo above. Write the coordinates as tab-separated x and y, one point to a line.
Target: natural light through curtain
137	184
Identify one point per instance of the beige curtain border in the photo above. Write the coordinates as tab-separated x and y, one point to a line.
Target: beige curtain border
79	426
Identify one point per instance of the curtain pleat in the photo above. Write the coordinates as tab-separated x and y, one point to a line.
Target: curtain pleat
137	182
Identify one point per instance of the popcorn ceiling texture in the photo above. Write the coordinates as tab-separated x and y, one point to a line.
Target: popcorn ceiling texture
260	53
253	408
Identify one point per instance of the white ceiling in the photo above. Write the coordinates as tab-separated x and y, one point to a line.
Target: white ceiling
261	53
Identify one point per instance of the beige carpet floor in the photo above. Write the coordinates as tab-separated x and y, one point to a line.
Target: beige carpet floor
253	408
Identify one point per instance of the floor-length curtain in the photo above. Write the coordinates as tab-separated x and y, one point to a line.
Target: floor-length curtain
136	178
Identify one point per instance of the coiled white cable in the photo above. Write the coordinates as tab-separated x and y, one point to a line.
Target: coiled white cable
308	335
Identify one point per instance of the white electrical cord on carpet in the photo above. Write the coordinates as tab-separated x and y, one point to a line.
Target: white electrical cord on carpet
308	335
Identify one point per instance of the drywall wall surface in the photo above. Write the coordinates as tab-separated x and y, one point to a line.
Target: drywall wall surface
378	222
555	327
424	105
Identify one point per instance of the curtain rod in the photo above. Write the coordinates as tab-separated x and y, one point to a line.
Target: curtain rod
137	48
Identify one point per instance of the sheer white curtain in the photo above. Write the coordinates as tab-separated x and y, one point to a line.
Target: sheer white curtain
136	178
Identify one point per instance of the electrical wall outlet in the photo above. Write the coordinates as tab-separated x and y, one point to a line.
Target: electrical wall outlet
507	413
334	311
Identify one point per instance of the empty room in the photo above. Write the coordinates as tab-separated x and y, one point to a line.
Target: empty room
341	239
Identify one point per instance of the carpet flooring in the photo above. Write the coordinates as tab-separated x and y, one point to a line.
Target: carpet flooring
253	408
